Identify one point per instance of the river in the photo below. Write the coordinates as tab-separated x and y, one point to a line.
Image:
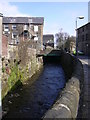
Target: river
32	101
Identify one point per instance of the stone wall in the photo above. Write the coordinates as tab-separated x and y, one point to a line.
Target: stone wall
4	45
66	106
20	65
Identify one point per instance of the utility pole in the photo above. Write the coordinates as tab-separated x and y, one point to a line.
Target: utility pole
80	17
1	15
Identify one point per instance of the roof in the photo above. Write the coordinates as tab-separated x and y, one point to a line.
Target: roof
83	25
23	20
48	37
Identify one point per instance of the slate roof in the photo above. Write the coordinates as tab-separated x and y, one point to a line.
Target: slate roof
84	25
48	37
23	20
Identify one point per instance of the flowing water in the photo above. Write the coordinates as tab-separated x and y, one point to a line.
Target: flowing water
32	101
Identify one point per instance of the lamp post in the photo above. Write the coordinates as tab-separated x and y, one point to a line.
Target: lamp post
80	17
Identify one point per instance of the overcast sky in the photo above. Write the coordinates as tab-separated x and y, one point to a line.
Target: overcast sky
56	14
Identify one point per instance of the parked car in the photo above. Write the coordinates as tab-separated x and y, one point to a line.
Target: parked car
80	52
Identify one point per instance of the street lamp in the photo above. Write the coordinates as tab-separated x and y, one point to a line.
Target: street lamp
80	17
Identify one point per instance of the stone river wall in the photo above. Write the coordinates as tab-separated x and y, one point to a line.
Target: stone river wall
20	65
66	106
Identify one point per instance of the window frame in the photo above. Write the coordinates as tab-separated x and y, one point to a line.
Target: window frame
14	27
35	28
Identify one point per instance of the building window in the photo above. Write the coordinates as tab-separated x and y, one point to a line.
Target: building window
83	29
30	26
82	37
78	38
6	28
35	28
14	27
35	38
26	33
86	36
87	27
30	20
14	35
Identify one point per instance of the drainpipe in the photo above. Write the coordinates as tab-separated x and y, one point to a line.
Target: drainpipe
1	16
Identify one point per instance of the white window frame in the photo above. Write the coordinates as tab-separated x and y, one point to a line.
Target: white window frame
13	36
14	26
36	38
6	28
30	20
36	28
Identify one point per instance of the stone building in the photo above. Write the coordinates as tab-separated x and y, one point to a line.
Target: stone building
48	40
83	37
24	28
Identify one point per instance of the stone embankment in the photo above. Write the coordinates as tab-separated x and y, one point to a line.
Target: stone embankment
20	65
66	106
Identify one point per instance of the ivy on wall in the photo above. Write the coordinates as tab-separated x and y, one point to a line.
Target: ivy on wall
20	66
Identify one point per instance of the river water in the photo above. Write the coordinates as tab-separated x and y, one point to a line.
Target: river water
32	101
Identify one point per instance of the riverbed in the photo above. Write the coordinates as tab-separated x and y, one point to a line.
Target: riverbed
33	100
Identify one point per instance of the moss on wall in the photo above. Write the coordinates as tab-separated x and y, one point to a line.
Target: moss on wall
16	71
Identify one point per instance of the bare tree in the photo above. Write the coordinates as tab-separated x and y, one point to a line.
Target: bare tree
61	38
64	40
71	39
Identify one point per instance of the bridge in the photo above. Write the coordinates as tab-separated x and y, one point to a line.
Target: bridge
52	56
54	52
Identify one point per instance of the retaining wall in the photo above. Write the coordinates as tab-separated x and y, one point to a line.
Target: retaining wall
66	106
20	65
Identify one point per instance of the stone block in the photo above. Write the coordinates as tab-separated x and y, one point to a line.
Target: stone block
59	111
69	97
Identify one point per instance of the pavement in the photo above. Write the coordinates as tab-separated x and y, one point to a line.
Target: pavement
84	107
